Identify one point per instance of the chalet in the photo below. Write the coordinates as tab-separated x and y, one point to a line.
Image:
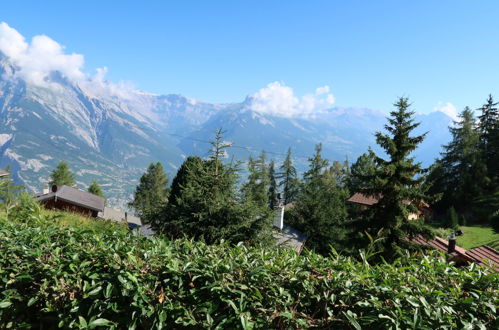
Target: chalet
483	255
70	199
364	201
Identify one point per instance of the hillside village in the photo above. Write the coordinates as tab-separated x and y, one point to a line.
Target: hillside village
249	165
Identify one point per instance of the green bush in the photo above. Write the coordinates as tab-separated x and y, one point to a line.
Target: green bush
72	277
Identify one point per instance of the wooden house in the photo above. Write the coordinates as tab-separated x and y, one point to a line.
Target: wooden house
70	199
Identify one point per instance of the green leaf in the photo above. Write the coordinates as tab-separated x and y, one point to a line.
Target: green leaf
352	319
83	323
5	304
32	301
99	323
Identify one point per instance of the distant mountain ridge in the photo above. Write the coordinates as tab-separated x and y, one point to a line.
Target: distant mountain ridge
112	137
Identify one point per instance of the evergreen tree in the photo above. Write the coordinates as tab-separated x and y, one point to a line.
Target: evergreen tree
273	189
289	182
151	194
461	167
95	189
256	189
206	204
320	210
62	175
489	138
363	167
397	183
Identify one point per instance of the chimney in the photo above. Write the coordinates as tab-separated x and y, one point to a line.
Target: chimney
46	189
452	243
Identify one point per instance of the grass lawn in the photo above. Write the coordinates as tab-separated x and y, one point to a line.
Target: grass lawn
476	236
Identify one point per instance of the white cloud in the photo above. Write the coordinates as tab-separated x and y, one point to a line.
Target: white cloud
35	61
277	99
448	108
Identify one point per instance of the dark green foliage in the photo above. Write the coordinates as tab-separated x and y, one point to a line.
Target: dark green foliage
71	277
489	137
397	183
460	174
257	185
452	219
95	189
364	167
288	180
151	194
273	189
463	221
320	210
62	175
205	203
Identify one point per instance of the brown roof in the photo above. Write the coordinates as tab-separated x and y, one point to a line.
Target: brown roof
485	255
75	196
3	173
359	198
438	243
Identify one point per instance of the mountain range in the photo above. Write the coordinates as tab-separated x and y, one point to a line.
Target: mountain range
112	135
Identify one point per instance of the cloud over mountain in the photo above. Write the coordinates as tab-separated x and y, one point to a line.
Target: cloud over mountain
448	108
277	99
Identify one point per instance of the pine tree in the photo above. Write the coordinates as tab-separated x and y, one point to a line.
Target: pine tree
363	167
462	170
289	182
273	189
397	183
489	137
151	194
320	210
207	205
62	175
95	189
256	188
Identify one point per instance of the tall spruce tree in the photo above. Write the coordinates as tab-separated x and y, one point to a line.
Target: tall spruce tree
151	194
207	205
489	137
288	179
95	189
462	170
320	210
256	188
273	189
397	183
363	167
62	175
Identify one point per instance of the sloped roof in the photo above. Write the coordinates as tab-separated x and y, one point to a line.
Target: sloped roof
118	216
485	255
359	198
3	173
74	196
438	243
290	237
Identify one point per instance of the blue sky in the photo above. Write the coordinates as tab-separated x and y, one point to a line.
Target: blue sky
368	52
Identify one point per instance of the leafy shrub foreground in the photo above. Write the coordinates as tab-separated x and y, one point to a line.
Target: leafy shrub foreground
72	277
